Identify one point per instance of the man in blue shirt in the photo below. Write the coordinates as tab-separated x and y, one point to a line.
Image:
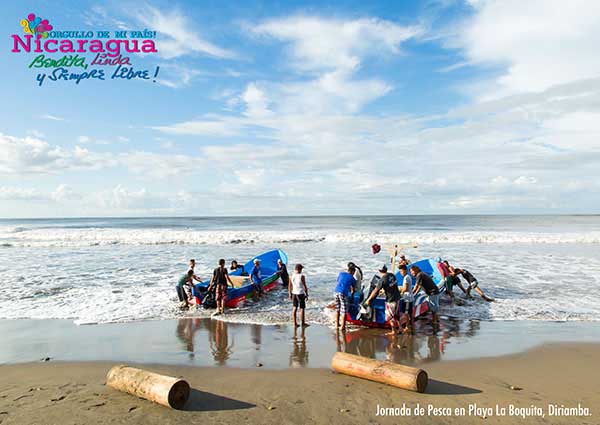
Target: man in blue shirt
343	289
256	278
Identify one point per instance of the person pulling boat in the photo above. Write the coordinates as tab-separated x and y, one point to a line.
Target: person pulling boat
256	278
219	280
407	296
473	284
389	284
425	282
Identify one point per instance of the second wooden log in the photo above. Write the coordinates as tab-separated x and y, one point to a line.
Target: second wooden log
161	389
406	377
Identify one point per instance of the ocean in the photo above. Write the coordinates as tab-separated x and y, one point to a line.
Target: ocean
103	270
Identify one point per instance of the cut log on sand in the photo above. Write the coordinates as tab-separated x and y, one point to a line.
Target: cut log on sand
405	377
165	390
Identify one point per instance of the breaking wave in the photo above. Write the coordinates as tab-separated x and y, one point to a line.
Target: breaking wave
111	236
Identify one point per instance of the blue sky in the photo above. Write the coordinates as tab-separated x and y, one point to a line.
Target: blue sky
269	108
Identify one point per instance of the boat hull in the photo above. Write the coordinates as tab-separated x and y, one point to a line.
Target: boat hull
236	296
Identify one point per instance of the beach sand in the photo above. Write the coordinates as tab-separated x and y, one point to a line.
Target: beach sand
74	393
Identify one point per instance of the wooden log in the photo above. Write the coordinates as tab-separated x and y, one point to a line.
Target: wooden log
165	390
408	378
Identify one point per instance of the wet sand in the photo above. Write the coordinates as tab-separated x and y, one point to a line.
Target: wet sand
73	393
206	342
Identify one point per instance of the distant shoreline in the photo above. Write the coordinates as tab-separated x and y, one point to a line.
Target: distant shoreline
596	214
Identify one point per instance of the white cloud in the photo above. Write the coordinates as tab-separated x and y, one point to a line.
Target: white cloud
250	177
52	117
64	193
98	16
176	76
35	133
537	43
496	156
20	194
83	139
525	181
256	101
319	44
167	144
210	126
27	155
123	199
330	52
177	34
60	194
31	155
158	165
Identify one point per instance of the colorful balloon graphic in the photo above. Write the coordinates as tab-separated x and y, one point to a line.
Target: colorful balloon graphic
35	25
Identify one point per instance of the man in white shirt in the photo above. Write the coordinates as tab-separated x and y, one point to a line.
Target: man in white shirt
407	296
358	276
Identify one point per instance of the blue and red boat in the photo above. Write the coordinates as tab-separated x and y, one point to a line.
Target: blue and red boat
377	317
243	288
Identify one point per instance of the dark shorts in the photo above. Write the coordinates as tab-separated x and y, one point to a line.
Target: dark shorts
434	302
299	300
407	308
220	292
184	292
449	283
180	293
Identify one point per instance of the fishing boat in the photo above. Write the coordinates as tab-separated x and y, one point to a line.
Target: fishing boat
376	318
242	286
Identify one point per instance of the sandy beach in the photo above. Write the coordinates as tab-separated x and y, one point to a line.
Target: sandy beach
74	393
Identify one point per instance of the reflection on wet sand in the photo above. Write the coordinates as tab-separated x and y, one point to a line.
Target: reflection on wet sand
225	344
186	328
299	354
219	341
425	346
218	337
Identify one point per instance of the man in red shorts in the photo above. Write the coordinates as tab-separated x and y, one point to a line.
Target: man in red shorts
219	280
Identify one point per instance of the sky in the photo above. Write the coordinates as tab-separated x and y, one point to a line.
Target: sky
310	108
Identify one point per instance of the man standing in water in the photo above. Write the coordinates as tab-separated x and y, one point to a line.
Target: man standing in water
219	280
358	276
424	281
407	296
191	267
343	289
447	277
283	273
389	284
184	288
256	277
298	292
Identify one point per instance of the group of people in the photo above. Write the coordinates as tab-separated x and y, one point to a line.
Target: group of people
399	298
349	282
451	276
220	281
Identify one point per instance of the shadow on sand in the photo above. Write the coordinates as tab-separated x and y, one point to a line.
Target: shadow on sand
201	401
445	388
